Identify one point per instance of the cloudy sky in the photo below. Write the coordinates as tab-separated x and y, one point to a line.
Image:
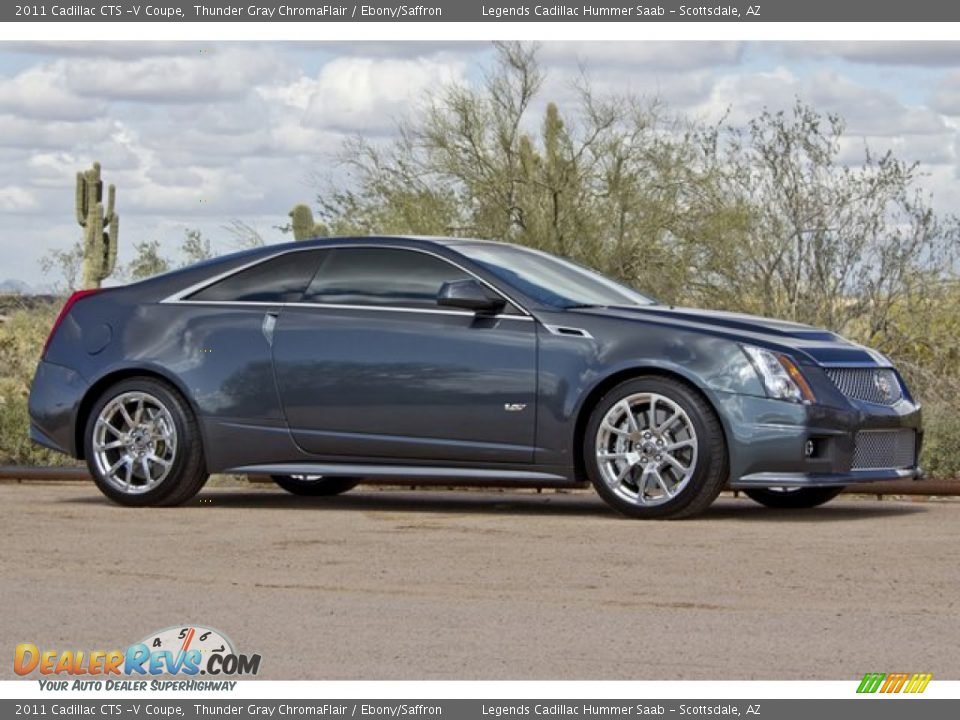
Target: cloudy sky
198	135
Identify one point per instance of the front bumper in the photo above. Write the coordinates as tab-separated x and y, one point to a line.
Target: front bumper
801	480
768	442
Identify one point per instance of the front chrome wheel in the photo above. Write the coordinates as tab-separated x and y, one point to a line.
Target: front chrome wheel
646	449
134	442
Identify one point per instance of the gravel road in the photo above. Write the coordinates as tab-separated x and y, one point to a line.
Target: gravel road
387	584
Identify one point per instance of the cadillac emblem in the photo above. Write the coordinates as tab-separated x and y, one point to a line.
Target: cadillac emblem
886	385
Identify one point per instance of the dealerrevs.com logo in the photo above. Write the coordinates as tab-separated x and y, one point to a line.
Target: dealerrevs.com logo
185	650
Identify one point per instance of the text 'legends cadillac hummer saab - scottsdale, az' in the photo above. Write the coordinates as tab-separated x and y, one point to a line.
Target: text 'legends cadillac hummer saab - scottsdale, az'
423	361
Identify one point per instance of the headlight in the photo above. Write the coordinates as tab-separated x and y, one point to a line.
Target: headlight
781	377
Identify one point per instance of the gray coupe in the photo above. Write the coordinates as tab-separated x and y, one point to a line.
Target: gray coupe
449	361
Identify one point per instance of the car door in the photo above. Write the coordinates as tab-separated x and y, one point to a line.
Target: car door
369	366
219	346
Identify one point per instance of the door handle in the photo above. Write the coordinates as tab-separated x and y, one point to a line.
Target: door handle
269	323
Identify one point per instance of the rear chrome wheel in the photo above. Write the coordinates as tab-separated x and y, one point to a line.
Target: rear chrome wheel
654	448
134	442
142	444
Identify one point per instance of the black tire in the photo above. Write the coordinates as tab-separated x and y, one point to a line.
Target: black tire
187	473
315	487
709	473
793	499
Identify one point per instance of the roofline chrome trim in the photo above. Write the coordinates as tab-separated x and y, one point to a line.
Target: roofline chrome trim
241	303
339	306
430	311
180	296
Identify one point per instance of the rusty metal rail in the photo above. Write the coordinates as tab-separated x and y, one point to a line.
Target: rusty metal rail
50	472
896	487
907	487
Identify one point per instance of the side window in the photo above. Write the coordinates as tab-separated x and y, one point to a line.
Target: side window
282	279
382	276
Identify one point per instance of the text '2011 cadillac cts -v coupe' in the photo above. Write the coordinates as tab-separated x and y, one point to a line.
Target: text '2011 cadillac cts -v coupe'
449	361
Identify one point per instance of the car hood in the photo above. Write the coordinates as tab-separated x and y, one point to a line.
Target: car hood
818	345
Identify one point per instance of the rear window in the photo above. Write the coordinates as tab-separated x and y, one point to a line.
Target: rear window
279	280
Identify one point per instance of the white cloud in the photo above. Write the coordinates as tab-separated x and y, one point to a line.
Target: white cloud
946	98
23	132
918	53
926	149
183	177
207	75
366	94
290	137
13	199
397	49
866	110
110	49
742	97
641	56
52	169
226	190
295	95
41	93
870	111
676	90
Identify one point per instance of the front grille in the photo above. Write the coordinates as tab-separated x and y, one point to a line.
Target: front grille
879	386
875	449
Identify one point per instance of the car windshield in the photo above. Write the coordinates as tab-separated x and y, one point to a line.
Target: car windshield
548	279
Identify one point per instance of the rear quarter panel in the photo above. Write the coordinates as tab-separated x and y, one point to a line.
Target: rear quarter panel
216	356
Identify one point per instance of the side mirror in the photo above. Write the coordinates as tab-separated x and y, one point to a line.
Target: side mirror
470	295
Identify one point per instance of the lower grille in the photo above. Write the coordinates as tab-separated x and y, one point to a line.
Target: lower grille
875	449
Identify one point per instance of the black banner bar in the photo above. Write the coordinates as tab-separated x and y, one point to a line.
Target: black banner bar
491	11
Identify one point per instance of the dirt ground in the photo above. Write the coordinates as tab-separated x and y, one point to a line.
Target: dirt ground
386	584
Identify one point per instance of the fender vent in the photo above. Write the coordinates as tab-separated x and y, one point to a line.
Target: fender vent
568	331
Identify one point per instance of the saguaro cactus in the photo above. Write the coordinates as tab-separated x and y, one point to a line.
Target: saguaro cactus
302	222
100	229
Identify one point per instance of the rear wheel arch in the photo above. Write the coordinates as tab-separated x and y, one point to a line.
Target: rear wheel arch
600	389
113	377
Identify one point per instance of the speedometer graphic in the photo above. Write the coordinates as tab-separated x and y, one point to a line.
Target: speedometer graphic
181	639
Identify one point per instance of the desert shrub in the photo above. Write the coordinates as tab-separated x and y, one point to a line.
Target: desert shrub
23	330
939	393
941	448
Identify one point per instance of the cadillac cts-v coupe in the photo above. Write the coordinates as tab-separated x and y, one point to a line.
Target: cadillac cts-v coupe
448	361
